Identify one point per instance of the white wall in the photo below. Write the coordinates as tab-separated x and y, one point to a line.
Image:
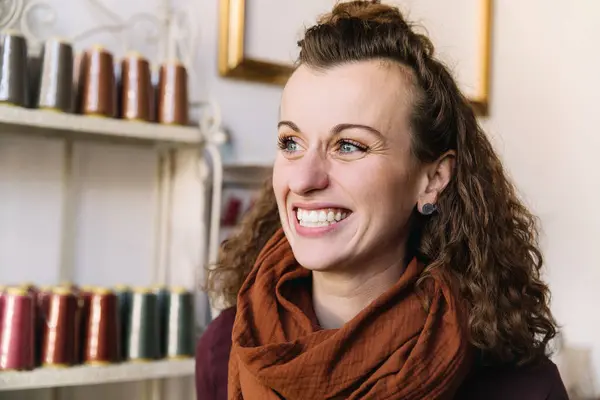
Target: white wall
543	118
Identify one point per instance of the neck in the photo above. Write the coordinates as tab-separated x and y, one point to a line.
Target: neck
339	297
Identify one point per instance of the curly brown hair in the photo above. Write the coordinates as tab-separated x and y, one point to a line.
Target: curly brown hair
483	238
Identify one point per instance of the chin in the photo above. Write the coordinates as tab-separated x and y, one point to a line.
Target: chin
316	257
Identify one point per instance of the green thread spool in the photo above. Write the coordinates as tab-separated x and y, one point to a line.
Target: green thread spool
123	293
180	333
162	297
143	327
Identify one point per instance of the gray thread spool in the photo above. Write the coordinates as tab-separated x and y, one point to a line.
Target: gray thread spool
55	90
180	333
13	69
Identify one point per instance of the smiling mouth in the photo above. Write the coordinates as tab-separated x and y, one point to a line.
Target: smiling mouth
321	217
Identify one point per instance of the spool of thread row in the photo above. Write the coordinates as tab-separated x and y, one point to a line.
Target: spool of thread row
60	330
173	94
17	335
13	69
137	97
143	343
55	87
97	83
180	324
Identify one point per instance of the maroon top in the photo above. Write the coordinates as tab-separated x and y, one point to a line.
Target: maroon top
540	382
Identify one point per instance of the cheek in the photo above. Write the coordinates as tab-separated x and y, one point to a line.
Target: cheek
280	183
393	191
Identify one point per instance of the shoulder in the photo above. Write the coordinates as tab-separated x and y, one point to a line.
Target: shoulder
539	381
212	356
217	334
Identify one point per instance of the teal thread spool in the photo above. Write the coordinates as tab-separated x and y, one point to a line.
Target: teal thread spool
143	327
162	298
123	293
181	326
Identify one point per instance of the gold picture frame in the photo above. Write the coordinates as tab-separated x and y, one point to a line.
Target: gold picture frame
233	62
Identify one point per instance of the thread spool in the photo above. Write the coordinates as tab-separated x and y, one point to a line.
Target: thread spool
162	299
143	339
180	333
173	94
55	88
42	307
17	345
38	327
98	85
59	336
123	294
136	89
34	73
79	65
13	69
2	293
84	300
102	342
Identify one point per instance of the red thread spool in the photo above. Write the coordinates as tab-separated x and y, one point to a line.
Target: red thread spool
84	301
102	342
59	336
98	84
2	292
42	306
17	345
173	94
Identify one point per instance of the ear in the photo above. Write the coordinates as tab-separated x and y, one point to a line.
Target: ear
437	176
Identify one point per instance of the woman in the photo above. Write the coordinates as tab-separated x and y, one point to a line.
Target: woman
391	258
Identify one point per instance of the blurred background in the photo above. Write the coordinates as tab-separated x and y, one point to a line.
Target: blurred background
103	199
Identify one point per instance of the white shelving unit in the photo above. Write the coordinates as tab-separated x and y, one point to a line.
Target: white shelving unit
181	150
71	128
94	375
42	122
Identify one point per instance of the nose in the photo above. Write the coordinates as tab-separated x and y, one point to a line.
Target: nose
308	174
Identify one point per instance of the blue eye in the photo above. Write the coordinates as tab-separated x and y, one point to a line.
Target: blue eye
288	144
291	146
346	146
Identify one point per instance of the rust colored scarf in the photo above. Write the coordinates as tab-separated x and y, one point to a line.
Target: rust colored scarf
393	349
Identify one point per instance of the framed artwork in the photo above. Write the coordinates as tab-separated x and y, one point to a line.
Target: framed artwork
256	46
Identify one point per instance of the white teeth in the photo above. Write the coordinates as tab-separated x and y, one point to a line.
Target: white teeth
319	218
330	216
322	216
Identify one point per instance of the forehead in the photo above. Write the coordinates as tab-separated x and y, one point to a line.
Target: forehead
373	93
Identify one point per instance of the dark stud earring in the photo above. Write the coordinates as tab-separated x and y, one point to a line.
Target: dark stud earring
428	209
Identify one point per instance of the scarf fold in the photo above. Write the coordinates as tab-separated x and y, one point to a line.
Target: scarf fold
393	349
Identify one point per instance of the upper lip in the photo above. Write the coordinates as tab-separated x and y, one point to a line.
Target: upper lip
317	206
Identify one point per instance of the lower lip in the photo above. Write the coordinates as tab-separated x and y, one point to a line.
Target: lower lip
318	230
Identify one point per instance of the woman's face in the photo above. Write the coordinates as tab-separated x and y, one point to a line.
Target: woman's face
344	178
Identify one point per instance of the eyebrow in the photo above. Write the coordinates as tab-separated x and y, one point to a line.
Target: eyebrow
336	129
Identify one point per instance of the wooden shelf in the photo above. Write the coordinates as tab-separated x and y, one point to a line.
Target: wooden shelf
94	375
51	123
